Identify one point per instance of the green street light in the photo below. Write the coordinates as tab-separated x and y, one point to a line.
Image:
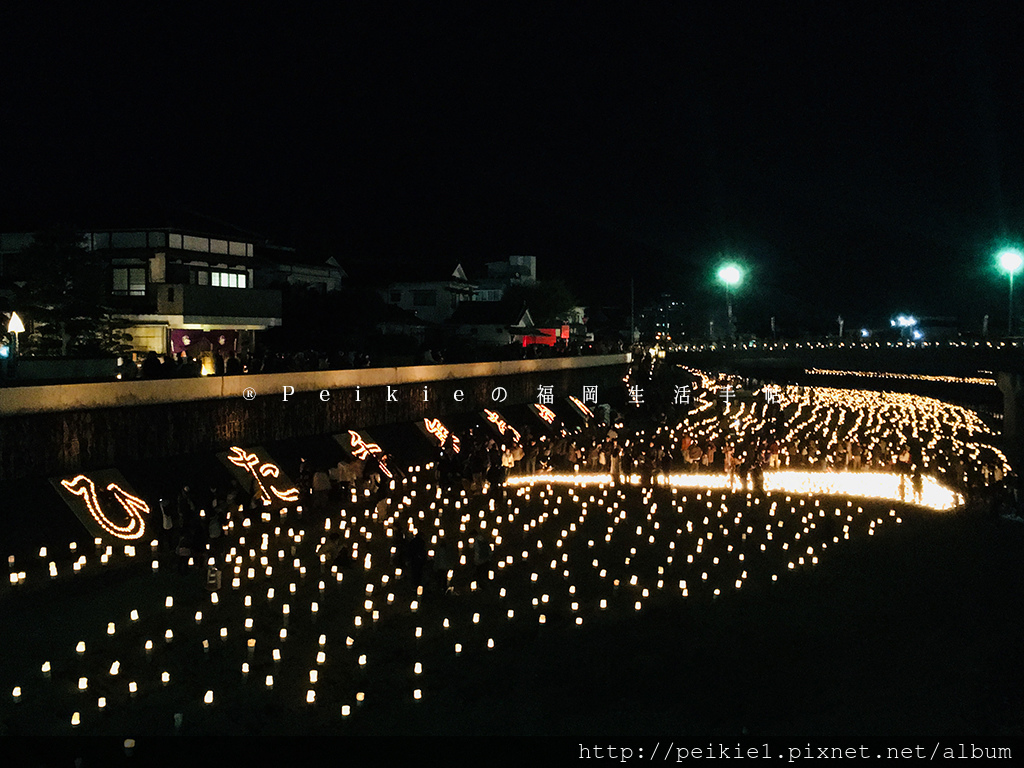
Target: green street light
1010	261
729	275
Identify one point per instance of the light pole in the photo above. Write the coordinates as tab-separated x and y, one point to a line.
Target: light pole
1010	261
729	275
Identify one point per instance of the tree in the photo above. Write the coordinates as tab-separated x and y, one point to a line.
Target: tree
548	301
64	290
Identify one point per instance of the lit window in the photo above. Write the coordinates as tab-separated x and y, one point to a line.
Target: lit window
228	279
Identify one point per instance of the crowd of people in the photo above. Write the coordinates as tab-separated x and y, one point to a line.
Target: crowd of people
217	363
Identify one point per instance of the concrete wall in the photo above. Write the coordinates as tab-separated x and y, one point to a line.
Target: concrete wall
54	429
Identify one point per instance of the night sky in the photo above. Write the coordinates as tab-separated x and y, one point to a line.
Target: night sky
857	159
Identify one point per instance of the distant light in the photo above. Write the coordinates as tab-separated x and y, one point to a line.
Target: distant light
864	332
1010	260
730	274
5	351
918	335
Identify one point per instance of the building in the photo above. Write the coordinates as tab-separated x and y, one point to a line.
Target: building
432	300
491	323
517	270
180	291
280	267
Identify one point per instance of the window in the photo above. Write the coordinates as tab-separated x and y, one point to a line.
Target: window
193	243
228	279
424	298
128	240
129	281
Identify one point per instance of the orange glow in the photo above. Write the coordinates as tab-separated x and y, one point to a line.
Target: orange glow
248	461
546	413
362	450
135	507
582	407
441	432
501	424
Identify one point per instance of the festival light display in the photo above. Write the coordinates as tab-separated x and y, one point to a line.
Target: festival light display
583	409
983	380
441	432
501	425
559	549
545	413
134	507
251	463
363	450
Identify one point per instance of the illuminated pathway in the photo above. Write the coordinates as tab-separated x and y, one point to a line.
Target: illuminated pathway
883	486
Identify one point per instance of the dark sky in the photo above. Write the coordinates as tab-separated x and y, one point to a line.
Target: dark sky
859	159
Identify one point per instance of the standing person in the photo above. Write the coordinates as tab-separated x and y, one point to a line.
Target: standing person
508	461
232	366
443	563
215	531
481	555
730	464
321	487
417	558
695	454
855	455
615	460
903	461
530	456
168	524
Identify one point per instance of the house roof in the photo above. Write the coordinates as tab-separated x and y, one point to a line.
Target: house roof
272	254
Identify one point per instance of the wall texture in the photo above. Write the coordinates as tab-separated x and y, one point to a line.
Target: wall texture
63	428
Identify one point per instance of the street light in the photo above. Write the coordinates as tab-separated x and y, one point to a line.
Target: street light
15	326
1010	261
729	275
